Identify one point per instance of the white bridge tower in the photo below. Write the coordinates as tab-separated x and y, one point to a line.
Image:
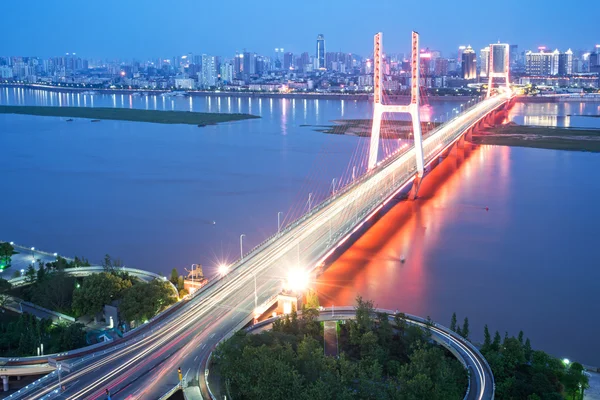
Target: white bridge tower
413	108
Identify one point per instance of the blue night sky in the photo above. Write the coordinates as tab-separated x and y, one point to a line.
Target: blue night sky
152	28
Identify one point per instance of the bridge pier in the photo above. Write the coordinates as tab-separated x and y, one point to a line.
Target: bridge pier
4	383
414	190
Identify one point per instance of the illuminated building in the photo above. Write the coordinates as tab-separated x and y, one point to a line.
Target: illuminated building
484	62
320	58
565	63
538	64
469	64
209	71
288	61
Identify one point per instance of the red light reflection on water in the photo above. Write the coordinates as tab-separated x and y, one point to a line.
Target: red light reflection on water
372	266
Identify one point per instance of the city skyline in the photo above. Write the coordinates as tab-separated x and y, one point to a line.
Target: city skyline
128	31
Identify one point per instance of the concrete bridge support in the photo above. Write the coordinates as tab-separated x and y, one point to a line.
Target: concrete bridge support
4	383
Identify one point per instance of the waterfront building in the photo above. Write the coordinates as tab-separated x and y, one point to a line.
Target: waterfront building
288	61
469	64
484	62
538	64
209	71
320	56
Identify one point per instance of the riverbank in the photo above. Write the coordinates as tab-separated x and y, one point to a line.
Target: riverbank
540	137
126	114
390	129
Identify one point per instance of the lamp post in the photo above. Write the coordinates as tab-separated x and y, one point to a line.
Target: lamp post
279	222
33	253
309	202
242	246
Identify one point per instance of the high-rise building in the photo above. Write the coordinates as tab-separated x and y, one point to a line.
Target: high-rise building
499	53
320	57
226	72
238	66
594	60
469	64
461	50
565	63
209	71
538	64
249	64
288	61
484	62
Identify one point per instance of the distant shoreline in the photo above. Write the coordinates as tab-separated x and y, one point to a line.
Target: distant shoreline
541	137
96	114
199	93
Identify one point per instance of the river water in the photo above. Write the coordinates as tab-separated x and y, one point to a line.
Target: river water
164	196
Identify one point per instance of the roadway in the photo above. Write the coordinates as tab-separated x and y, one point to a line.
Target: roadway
145	366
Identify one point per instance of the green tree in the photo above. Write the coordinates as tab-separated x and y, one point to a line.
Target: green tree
6	252
520	337
527	350
96	291
312	299
464	332
30	274
174	276
143	301
487	338
496	342
453	323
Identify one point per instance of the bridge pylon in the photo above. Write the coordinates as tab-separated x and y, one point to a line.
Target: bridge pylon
499	67
379	108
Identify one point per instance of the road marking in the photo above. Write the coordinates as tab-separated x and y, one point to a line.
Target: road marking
203	346
212	336
196	358
199	344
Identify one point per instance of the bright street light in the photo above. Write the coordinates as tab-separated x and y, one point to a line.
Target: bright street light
566	361
223	269
298	280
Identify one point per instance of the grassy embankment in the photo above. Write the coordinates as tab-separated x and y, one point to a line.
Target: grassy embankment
390	129
541	137
126	114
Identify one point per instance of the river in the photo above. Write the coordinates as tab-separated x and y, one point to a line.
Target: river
164	196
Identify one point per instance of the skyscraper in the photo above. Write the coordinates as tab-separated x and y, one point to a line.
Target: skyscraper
321	51
565	63
499	53
469	64
288	61
209	71
484	62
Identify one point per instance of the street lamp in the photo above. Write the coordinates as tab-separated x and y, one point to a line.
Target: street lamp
309	202
32	253
242	246
279	213
223	269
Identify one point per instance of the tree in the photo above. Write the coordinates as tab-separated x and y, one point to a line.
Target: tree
5	287
312	299
6	252
487	339
520	338
174	276
30	274
98	290
464	332
527	350
143	301
453	323
496	342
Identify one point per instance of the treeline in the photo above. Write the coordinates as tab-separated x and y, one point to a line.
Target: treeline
379	359
22	336
523	373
